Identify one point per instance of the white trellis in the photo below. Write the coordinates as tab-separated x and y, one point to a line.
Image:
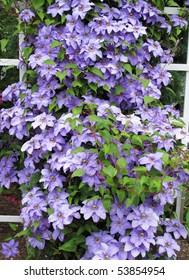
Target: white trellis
171	67
13	62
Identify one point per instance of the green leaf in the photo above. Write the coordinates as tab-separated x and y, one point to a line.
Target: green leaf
106	88
78	150
119	89
35	179
144	82
136	140
63	18
61	54
52	105
69	246
71	65
76	72
4	43
76	83
128	202
105	135
120	195
121	162
13	226
172	3
138	71
78	173
165	159
41	15
36	224
107	204
61	75
101	190
27	51
140	169
55	44
95	118
128	68
97	72
50	211
49	21
148	99
37	3
28	126
93	86
168	179
49	61
159	4
77	110
25	232
110	171
177	124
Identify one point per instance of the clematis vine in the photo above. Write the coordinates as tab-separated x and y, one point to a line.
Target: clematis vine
96	156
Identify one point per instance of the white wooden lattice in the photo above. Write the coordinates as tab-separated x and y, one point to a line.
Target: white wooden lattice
171	67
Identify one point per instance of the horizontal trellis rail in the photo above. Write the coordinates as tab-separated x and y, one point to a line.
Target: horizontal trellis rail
10	219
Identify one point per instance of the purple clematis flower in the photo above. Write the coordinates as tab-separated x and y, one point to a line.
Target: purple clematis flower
43	120
10	249
26	15
176	228
152	160
119	225
94	209
108	252
51	179
167	245
144	217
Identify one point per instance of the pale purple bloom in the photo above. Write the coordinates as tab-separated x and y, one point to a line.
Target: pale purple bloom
25	175
11	93
82	8
43	120
7	178
93	209
154	47
96	239
32	194
36	243
47	71
62	216
119	225
91	50
179	21
142	237
107	252
31	145
57	9
51	179
131	249
176	228
118	209
37	59
10	249
26	15
167	245
36	207
137	30
57	198
144	217
152	160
